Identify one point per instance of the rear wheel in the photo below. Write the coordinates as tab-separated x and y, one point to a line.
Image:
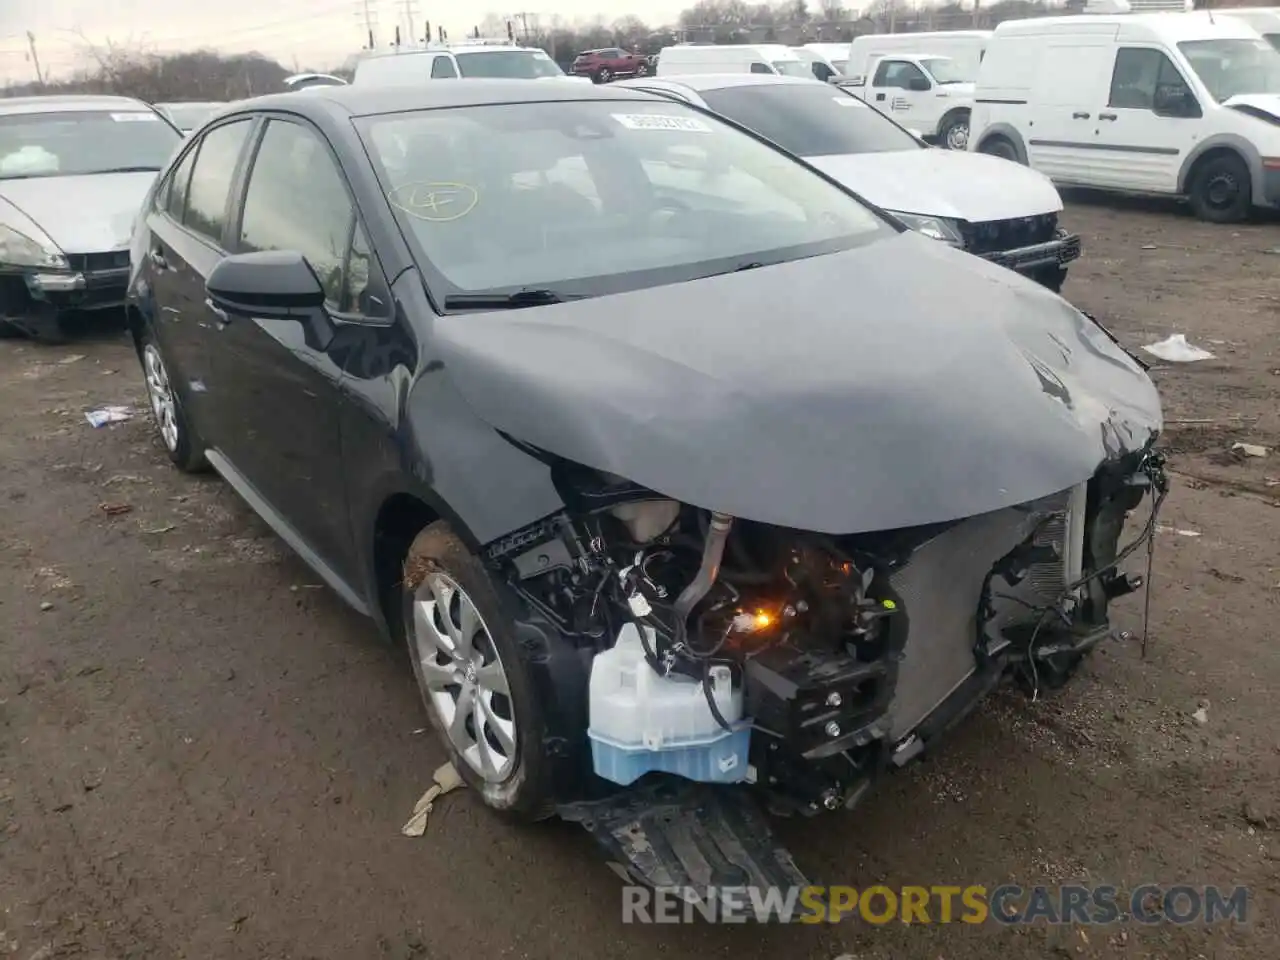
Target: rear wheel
604	75
1000	147
181	443
473	677
1221	191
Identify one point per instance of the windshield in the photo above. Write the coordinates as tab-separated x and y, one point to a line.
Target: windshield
793	68
585	198
945	70
64	144
508	64
188	116
840	65
810	120
1231	67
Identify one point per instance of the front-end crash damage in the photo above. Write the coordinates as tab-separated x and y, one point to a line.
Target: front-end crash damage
797	565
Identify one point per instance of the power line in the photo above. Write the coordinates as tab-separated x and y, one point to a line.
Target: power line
409	8
370	17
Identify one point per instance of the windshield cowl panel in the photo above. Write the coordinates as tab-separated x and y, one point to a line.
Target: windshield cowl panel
587	198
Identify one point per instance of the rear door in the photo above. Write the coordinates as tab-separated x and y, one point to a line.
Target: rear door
280	375
185	245
1069	91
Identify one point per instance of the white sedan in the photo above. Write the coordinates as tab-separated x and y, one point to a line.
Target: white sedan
990	207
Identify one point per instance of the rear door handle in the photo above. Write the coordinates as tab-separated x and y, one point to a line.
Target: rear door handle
1108	116
1079	116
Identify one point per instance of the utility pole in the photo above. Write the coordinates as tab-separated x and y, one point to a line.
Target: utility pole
409	9
524	23
35	57
370	18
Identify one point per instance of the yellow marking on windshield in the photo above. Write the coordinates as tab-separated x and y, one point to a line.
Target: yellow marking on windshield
435	201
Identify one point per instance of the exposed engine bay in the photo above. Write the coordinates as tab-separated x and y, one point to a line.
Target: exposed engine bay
730	651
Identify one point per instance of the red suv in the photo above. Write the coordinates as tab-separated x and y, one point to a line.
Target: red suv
608	63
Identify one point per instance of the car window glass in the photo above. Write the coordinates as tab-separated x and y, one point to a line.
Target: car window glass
758	67
176	201
356	286
809	120
297	200
443	67
897	73
210	182
587	196
1145	79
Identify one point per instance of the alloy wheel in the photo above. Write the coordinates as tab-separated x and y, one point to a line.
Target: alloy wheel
160	393
465	681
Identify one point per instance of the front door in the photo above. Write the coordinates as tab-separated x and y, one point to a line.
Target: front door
280	376
1150	123
891	91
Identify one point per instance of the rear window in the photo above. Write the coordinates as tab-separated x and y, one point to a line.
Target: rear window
810	120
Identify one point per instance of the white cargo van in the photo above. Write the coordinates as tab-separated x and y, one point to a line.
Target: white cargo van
923	80
1266	20
1163	103
444	61
689	58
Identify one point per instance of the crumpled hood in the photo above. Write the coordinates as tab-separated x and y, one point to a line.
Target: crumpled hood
944	183
897	384
1268	103
90	214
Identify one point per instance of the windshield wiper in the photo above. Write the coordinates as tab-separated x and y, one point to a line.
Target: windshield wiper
506	301
126	170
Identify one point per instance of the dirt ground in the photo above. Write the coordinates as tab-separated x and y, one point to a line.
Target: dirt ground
204	755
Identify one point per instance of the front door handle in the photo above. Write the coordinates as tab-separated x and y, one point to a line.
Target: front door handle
879	96
218	313
1079	116
1108	116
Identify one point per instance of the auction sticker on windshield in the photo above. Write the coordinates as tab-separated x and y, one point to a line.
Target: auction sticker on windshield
659	121
133	117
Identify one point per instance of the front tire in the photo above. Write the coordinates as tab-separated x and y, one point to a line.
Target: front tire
1221	191
954	134
604	75
1000	147
180	441
472	676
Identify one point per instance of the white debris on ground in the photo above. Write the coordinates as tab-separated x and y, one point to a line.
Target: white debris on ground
446	781
1175	349
1249	449
105	415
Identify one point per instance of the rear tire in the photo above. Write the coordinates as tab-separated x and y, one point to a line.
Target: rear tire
460	632
1220	190
177	436
604	75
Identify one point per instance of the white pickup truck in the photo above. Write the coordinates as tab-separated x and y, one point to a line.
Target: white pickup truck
928	93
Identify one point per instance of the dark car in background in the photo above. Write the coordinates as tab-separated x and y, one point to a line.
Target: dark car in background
609	63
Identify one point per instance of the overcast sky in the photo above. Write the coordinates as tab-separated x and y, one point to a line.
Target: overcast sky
314	32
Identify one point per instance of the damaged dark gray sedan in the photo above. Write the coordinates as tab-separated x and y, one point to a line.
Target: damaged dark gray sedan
683	492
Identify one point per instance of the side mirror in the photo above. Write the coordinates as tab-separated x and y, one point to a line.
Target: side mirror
919	84
273	283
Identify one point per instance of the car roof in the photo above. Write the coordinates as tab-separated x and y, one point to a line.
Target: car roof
72	103
699	82
356	100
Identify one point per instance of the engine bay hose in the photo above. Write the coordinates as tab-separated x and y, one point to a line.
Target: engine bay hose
708	571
